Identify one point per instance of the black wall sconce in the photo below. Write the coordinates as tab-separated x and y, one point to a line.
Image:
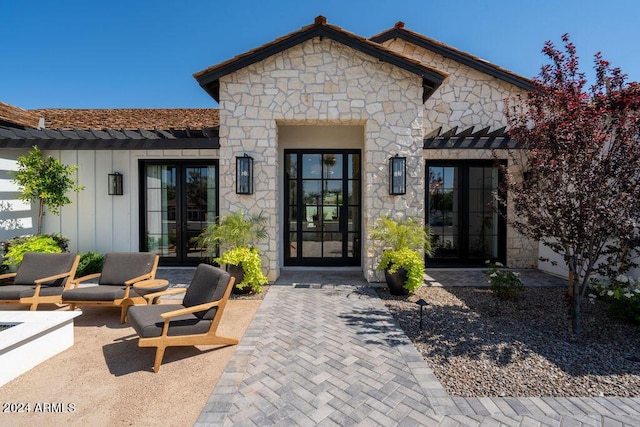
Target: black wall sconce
397	175
115	184
244	174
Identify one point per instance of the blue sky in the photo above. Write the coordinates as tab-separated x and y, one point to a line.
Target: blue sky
142	53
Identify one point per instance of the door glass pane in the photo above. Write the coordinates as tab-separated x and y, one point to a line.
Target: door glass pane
330	216
311	217
180	201
353	245
293	192
353	220
354	166
332	194
293	245
483	218
328	220
161	210
462	212
291	166
293	216
312	244
332	244
332	166
311	192
200	205
312	166
443	211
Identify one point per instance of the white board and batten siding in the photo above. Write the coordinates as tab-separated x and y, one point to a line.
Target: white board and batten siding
94	220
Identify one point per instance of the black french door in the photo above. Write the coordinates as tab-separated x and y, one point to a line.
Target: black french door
466	227
179	200
322	207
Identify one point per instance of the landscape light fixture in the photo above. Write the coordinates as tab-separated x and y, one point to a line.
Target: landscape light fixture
422	303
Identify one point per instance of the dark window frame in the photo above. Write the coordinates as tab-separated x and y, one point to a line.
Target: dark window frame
463	259
181	194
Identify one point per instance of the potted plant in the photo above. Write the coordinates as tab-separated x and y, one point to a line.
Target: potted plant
236	235
402	241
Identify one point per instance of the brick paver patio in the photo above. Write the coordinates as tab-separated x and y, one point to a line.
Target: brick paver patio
331	354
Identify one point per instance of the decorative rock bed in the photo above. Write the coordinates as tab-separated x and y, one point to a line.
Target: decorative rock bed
479	347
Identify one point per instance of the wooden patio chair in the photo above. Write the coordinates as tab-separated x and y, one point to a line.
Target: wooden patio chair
194	322
41	279
120	271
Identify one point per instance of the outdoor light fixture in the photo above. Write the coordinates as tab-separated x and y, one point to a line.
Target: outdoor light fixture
115	184
397	175
244	174
422	303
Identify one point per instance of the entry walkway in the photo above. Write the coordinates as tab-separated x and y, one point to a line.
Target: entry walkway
331	354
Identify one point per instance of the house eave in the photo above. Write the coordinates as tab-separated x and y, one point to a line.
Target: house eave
456	55
209	78
109	139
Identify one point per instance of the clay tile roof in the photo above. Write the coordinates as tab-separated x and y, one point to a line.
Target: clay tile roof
400	32
15	116
130	118
208	78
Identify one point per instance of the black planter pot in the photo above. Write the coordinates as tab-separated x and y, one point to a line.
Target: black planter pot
237	272
396	281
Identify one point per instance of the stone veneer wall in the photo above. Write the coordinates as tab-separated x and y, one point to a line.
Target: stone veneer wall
469	98
321	82
466	98
521	251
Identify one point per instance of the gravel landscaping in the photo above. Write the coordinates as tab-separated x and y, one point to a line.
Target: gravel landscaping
478	347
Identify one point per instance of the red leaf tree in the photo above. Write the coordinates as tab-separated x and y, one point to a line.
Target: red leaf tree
579	187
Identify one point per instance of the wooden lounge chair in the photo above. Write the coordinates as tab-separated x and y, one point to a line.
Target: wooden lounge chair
41	278
194	322
119	272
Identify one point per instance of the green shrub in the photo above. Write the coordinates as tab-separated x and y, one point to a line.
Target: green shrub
402	241
59	239
622	293
233	230
90	263
40	243
504	283
408	259
251	265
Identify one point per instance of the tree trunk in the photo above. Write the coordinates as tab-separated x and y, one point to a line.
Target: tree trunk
40	214
573	297
576	314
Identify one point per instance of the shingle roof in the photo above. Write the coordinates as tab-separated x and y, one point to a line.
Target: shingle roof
468	139
14	116
129	118
209	78
399	32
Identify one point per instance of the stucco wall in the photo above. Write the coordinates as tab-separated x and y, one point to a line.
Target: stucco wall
321	82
